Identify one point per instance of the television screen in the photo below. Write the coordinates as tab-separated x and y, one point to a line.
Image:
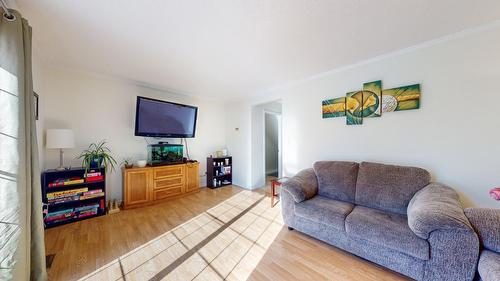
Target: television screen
156	118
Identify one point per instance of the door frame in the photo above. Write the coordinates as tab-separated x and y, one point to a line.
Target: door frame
280	141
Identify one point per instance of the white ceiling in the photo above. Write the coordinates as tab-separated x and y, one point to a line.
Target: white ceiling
237	48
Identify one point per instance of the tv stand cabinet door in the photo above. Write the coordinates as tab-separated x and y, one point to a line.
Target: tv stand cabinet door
192	177
137	187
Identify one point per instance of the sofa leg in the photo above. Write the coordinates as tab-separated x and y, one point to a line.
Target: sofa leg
290	228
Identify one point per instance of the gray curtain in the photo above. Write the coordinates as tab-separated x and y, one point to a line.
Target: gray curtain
19	170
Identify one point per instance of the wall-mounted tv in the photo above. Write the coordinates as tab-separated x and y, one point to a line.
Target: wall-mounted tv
156	118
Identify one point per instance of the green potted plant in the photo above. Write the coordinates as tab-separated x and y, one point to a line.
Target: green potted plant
96	156
128	163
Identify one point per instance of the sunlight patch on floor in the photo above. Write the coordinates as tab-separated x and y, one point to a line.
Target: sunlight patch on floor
225	242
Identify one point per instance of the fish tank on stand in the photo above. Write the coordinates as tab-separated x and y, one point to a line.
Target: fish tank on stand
165	154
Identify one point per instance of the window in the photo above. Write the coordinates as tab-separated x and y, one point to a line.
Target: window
10	230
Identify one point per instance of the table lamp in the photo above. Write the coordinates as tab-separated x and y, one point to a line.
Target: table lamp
60	139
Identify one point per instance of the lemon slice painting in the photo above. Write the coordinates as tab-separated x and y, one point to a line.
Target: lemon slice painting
401	98
333	108
372	101
354	108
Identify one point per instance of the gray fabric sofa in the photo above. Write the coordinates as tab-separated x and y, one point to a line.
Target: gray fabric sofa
390	215
486	222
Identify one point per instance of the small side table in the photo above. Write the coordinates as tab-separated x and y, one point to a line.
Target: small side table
274	190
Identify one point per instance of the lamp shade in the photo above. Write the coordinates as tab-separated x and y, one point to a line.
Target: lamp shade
60	138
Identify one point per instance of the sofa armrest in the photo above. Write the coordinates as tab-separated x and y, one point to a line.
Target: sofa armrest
435	214
486	222
302	186
489	266
436	207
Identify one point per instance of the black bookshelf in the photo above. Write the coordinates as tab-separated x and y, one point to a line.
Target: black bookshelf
77	202
220	169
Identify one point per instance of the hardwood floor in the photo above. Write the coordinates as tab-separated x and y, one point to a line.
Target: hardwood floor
227	233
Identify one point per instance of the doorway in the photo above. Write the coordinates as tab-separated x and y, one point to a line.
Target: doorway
272	144
266	143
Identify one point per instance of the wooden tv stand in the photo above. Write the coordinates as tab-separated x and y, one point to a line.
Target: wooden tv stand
150	185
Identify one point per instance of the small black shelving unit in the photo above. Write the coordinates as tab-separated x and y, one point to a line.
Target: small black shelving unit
51	176
219	169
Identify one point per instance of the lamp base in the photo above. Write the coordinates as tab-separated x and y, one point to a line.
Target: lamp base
61	157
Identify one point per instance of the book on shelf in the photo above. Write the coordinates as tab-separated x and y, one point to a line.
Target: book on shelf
66	181
94	178
64	199
66	193
87	207
72	212
60	217
61	214
93	195
57	213
93	209
87	213
93	174
92	191
82	194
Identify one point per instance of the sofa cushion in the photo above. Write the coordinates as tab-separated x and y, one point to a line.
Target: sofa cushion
324	210
387	230
486	222
337	179
489	266
388	187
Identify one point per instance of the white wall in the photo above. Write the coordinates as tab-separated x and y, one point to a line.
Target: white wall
271	143
238	141
98	107
454	135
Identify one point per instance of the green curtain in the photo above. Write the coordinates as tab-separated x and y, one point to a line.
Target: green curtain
19	166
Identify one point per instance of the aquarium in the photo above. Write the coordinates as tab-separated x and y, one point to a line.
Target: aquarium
165	154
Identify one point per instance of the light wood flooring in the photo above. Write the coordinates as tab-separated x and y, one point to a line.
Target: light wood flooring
223	234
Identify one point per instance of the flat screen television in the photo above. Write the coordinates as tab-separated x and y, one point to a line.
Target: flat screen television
156	118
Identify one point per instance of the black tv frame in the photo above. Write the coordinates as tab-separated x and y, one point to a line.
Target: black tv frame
165	135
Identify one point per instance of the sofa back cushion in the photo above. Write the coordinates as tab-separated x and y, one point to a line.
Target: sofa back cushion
388	187
337	179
